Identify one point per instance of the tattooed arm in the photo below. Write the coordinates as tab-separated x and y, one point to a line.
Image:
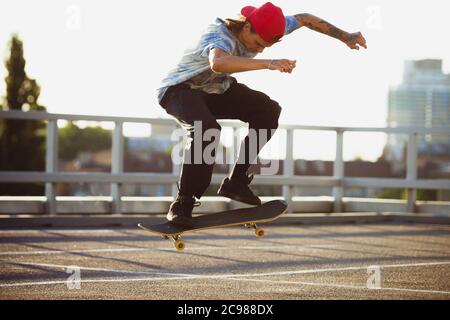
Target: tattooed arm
352	40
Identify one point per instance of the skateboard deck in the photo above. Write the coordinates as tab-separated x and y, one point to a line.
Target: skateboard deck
248	217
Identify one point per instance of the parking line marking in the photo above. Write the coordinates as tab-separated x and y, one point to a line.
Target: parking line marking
339	285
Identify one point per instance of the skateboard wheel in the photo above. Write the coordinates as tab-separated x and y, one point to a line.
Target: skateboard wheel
165	237
259	232
179	245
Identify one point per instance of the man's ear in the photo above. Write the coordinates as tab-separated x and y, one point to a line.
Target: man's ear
247	27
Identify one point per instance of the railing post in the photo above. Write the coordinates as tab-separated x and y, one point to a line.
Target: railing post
117	166
288	169
51	164
338	171
411	171
233	154
176	170
176	167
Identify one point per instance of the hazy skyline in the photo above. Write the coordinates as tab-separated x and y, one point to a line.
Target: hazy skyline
107	58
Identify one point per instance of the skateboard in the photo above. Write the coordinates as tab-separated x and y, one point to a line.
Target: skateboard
247	217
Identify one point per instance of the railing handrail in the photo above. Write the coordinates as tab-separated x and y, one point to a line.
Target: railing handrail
170	178
40	115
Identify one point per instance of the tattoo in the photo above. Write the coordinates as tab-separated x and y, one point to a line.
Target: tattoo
322	26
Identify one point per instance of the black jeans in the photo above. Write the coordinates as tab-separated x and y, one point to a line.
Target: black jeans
240	102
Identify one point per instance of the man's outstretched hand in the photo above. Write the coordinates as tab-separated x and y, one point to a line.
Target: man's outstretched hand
282	65
354	40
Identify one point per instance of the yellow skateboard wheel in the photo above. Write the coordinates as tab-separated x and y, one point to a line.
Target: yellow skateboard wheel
179	245
259	232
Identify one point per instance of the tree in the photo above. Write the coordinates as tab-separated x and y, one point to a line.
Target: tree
72	140
22	142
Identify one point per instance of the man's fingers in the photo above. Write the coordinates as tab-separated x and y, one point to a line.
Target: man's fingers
290	65
356	40
363	41
285	65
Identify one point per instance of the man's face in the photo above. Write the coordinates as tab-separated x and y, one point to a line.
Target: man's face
252	41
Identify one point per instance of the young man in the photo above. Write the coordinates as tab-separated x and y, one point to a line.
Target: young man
201	90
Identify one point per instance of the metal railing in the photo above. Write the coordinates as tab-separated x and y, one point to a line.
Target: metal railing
288	180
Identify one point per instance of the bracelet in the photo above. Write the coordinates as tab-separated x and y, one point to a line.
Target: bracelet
271	62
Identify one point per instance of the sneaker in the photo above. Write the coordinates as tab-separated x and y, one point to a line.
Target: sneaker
237	189
180	211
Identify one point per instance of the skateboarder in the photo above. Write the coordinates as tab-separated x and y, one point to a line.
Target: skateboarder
201	90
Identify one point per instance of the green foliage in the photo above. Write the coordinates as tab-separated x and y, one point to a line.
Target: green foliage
396	193
22	142
427	195
72	140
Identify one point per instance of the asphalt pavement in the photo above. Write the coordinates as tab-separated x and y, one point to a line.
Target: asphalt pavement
369	261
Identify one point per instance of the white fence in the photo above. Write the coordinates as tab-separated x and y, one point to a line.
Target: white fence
288	180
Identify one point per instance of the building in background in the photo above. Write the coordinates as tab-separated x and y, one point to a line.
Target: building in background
421	100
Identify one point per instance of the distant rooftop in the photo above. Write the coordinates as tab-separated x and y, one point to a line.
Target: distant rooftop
425	72
428	64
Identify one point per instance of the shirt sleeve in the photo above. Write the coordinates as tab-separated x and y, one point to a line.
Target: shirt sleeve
291	24
215	40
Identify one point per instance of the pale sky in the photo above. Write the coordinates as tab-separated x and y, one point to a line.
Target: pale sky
107	57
